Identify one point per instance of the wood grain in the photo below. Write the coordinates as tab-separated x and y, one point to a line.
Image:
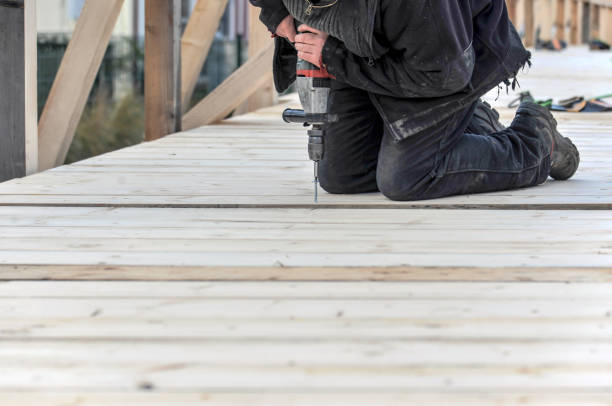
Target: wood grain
163	68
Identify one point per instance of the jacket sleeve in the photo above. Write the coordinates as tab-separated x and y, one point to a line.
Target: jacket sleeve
393	75
272	13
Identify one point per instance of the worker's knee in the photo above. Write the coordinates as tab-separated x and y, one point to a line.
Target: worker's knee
396	187
335	180
336	184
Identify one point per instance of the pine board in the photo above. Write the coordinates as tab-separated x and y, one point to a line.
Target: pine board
277	341
226	241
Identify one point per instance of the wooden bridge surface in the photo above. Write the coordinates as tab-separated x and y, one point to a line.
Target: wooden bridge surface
197	270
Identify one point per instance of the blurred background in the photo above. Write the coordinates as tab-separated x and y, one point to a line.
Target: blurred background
114	116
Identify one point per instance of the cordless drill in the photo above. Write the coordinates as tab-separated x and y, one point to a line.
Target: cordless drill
313	86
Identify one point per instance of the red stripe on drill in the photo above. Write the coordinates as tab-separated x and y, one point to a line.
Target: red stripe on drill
323	74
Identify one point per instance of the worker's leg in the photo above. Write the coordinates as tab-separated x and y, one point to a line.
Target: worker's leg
446	162
352	143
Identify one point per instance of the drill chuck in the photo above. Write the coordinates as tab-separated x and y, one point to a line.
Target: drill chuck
316	147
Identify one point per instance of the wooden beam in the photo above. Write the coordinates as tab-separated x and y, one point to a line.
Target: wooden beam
605	24
259	38
18	104
594	21
560	20
574	23
529	23
162	68
233	91
74	80
196	43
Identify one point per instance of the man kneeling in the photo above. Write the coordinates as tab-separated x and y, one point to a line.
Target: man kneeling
409	77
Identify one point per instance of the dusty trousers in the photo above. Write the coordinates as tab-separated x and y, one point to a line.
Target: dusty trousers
460	155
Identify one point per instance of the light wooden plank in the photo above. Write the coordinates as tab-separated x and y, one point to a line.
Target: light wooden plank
255	309
307	399
307	290
103	272
282	367
162	68
233	91
388	356
220	238
192	327
196	42
78	70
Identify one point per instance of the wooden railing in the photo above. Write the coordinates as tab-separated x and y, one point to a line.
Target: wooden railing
172	67
574	21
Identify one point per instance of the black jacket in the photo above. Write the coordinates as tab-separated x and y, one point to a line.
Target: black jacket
420	60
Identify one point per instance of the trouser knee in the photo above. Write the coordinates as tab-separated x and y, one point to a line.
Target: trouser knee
394	187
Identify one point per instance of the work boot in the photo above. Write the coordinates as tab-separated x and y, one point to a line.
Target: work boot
485	120
565	157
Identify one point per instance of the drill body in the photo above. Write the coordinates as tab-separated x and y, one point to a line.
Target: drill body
313	85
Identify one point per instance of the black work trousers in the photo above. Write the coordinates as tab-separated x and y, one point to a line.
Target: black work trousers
361	156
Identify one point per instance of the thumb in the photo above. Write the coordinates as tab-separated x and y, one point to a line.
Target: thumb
307	28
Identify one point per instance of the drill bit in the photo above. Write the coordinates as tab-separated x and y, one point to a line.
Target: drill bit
316	181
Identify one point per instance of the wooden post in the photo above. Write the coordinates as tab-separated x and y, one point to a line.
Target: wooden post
605	24
584	13
594	21
18	105
529	23
162	68
544	19
574	23
560	20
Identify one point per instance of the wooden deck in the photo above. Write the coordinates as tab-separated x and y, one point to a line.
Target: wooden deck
196	269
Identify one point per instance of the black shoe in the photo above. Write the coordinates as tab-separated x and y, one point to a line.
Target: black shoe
565	157
485	120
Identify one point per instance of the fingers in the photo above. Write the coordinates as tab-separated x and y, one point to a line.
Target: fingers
306	38
307	48
312	58
307	28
